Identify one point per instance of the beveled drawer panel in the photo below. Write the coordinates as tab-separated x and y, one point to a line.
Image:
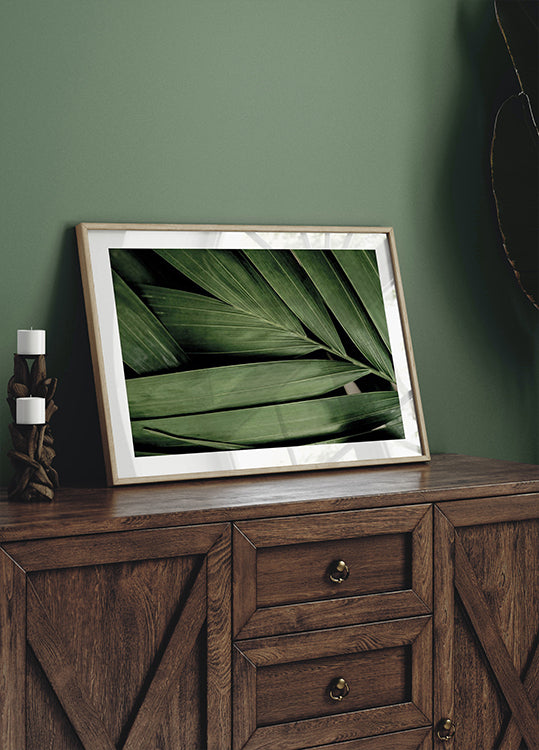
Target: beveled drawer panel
294	573
373	678
331	569
295	691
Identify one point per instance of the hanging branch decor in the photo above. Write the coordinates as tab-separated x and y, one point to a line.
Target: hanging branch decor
33	452
515	146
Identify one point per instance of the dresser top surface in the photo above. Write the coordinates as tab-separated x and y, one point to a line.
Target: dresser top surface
92	510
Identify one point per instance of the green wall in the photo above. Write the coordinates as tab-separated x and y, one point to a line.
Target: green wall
361	112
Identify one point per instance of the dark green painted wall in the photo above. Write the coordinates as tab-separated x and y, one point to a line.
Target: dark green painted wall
362	112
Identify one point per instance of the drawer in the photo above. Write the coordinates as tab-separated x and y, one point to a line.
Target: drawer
296	691
293	573
331	569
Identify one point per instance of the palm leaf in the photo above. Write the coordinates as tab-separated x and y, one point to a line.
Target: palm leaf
361	268
133	266
294	287
203	325
176	441
233	386
276	424
343	302
232	279
393	429
146	344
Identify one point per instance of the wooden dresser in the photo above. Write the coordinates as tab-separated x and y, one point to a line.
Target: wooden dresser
391	608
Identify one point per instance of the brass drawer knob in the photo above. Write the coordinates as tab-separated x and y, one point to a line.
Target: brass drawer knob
338	571
446	730
338	689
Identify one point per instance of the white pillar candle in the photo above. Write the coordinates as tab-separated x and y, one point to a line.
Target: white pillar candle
30	410
31	343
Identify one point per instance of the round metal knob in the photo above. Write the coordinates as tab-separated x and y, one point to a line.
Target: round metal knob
338	689
338	571
446	730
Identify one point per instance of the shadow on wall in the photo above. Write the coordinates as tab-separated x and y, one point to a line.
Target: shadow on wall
503	321
75	427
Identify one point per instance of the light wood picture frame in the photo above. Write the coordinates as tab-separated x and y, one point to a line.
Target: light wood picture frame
223	350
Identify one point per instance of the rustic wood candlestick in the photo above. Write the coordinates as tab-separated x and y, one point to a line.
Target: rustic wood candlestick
32	453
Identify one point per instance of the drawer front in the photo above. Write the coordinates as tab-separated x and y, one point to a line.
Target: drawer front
299	690
294	573
334	685
331	569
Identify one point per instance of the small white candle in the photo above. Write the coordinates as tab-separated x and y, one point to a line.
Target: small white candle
30	410
31	343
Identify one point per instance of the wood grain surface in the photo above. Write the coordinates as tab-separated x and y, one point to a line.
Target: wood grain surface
91	510
486	645
54	658
511	737
218	644
138	623
12	653
108	627
43	554
244	585
300	572
333	612
411	740
171	664
282	579
130	653
322	643
281	687
494	647
276	532
376	678
297	735
471	513
244	685
444	619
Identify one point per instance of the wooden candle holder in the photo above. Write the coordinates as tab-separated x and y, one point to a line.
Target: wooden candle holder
32	453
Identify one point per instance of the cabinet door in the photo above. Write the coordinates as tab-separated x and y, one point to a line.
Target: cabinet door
486	669
117	641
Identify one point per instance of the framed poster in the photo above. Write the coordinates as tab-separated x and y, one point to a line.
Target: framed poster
225	350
